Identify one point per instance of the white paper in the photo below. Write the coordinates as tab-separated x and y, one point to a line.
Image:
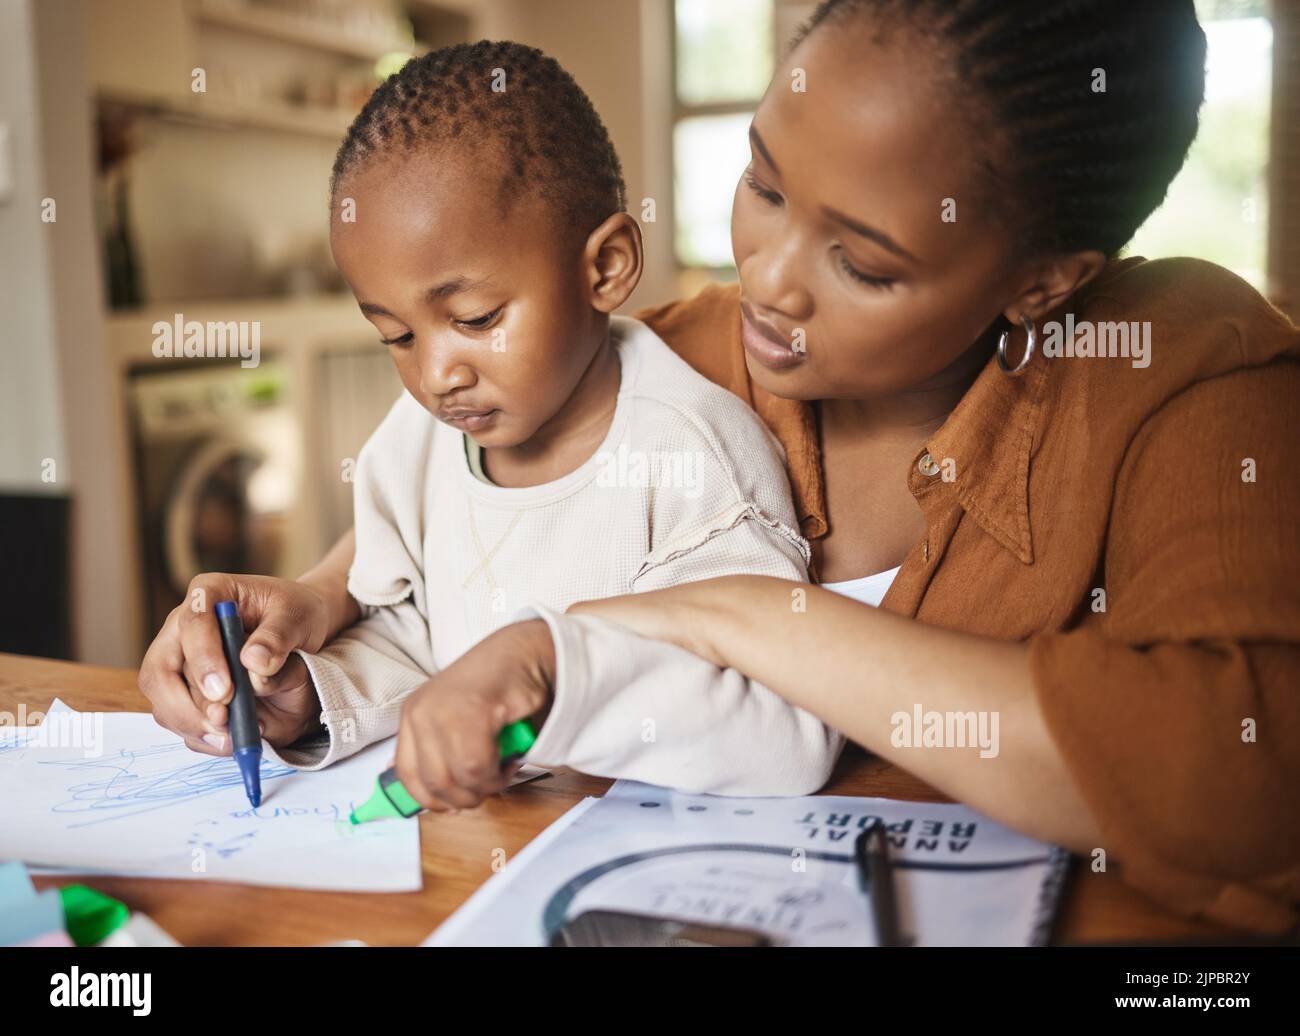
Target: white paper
781	866
114	793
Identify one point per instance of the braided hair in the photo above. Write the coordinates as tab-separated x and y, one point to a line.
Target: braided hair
1088	165
508	105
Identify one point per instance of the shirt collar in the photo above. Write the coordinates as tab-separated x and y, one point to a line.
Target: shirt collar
988	437
794	423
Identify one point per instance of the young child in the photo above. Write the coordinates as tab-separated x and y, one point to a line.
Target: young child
543	452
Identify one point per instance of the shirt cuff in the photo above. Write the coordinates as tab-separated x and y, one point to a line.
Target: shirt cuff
570	693
343	726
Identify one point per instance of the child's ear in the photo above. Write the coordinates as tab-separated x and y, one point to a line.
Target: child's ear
613	260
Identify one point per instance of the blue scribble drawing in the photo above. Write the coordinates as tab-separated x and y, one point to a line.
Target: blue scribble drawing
135	781
264	812
231	844
14	738
224	849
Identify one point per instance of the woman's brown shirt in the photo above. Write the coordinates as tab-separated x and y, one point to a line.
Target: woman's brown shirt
1174	696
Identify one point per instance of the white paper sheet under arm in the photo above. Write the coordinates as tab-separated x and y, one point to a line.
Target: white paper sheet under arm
129	798
782	866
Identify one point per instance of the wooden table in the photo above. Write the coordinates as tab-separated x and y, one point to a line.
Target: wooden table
457	851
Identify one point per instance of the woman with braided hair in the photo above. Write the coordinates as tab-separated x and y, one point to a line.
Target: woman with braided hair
1085	551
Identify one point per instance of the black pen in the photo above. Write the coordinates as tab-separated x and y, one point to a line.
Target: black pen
876	878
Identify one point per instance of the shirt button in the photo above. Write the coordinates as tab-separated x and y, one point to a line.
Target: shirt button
926	465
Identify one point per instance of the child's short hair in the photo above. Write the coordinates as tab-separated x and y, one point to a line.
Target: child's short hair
534	124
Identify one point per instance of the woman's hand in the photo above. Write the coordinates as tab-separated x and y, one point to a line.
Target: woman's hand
184	673
447	753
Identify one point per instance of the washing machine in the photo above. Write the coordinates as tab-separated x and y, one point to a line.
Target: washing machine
218	469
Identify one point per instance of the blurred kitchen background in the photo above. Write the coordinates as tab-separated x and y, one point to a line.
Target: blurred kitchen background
127	197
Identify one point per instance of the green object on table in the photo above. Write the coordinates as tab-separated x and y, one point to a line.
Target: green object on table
391	799
89	916
516	738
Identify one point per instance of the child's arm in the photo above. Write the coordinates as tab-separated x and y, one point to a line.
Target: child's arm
361	679
615	704
362	676
627	706
624	706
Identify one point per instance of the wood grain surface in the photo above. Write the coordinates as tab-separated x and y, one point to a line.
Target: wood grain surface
457	852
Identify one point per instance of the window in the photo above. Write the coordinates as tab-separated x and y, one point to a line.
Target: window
724	57
1217	206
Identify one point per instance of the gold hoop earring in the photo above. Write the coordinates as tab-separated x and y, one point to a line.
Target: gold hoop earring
1031	342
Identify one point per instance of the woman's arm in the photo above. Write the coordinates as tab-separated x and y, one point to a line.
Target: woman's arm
870	667
329	578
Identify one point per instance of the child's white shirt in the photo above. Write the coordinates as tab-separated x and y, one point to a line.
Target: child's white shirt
688	484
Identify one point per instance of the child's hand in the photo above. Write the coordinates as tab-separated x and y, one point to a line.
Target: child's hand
184	673
447	753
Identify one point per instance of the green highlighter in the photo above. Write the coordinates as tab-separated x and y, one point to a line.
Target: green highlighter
89	916
391	799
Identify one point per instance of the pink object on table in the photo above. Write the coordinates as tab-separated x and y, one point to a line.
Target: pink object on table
58	938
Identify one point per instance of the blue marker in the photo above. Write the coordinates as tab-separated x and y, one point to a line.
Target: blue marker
245	738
